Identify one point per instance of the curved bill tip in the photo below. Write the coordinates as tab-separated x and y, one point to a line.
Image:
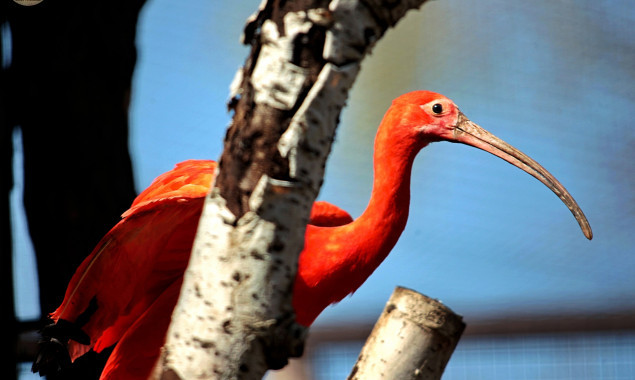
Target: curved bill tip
466	132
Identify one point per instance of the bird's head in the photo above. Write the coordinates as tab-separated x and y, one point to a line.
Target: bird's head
424	117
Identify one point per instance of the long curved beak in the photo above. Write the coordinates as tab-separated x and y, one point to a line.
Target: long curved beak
469	133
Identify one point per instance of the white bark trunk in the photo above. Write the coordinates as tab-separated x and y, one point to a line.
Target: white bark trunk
234	318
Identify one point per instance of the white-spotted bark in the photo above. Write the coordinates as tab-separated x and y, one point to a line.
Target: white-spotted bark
234	318
413	339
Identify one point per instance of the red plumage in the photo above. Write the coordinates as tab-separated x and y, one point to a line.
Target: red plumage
135	272
140	257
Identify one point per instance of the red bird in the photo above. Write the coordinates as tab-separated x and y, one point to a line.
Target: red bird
125	291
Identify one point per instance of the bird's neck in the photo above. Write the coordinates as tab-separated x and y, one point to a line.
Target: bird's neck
386	215
337	260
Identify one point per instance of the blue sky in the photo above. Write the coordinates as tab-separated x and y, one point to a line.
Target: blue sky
554	79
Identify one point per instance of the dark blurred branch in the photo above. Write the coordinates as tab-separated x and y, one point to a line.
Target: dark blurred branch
65	82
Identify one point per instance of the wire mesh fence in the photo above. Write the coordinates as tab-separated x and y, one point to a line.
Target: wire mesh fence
557	356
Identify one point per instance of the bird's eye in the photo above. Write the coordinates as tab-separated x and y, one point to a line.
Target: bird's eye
437	108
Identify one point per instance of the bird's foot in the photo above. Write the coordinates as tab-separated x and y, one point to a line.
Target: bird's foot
53	356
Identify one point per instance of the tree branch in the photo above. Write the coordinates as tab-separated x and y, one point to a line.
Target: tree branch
234	317
413	339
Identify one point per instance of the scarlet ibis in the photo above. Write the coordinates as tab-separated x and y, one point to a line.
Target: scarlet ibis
125	291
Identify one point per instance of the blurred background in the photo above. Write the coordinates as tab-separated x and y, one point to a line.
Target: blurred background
555	79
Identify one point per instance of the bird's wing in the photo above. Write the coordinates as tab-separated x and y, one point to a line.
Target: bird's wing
145	253
138	350
324	214
139	346
188	179
139	257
